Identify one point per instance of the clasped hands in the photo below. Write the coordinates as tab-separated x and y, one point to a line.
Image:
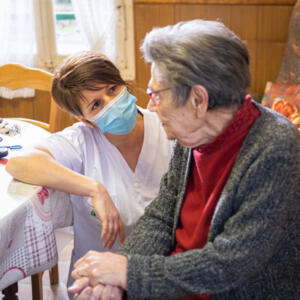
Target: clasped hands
99	275
102	275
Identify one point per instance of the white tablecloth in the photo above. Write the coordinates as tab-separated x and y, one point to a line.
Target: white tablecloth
27	218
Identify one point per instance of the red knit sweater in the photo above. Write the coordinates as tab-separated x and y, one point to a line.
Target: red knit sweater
211	168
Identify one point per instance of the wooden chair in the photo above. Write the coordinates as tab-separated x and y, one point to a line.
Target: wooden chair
16	76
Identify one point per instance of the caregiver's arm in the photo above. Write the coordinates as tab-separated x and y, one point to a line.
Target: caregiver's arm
39	167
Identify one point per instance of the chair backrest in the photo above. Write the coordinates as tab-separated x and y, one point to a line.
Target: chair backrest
16	76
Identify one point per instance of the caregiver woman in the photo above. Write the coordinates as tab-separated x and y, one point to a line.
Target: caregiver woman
110	163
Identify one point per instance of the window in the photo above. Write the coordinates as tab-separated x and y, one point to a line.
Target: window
67	33
57	32
44	32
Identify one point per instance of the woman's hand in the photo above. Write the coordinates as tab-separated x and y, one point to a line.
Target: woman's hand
109	217
99	267
110	292
100	292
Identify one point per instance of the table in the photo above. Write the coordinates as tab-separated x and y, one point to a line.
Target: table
27	218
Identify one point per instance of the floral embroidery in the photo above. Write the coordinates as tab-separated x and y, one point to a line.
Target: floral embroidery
287	109
43	195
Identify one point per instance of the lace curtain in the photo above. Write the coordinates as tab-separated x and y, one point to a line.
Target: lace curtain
97	22
107	26
17	35
25	40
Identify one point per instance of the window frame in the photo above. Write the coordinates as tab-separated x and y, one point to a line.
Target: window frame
47	56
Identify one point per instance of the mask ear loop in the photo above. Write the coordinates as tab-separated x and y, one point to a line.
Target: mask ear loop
110	104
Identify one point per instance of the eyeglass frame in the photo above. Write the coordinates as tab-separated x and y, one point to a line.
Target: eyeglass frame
150	93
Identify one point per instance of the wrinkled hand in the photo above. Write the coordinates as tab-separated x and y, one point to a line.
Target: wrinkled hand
99	267
109	217
100	292
112	292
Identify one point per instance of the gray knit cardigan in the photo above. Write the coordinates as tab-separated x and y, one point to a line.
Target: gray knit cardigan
253	248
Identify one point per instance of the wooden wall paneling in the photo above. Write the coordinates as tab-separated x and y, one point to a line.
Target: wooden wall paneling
273	22
185	12
227	2
252	47
272	36
243	22
145	18
269	56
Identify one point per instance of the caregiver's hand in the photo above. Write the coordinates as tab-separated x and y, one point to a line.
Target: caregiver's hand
100	267
109	217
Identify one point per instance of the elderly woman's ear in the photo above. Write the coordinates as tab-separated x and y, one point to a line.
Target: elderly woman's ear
199	99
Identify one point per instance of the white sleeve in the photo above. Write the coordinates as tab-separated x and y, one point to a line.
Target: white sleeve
67	147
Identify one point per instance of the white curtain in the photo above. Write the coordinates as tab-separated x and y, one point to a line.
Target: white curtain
47	57
17	36
97	22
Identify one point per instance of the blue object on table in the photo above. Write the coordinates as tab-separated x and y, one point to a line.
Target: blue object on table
14	147
1	139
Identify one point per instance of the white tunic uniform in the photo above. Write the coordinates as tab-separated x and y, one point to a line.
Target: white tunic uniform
87	151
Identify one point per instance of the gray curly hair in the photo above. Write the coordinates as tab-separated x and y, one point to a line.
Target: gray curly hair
200	52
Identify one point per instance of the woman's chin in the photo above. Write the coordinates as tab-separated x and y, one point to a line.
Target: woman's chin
186	143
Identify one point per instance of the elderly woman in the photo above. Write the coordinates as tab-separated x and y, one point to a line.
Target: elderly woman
110	164
225	224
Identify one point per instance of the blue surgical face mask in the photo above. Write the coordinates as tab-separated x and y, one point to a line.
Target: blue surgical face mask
119	115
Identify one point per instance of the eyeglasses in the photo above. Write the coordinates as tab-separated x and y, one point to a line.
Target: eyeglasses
154	95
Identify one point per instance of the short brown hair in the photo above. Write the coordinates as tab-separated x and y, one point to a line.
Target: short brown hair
82	71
